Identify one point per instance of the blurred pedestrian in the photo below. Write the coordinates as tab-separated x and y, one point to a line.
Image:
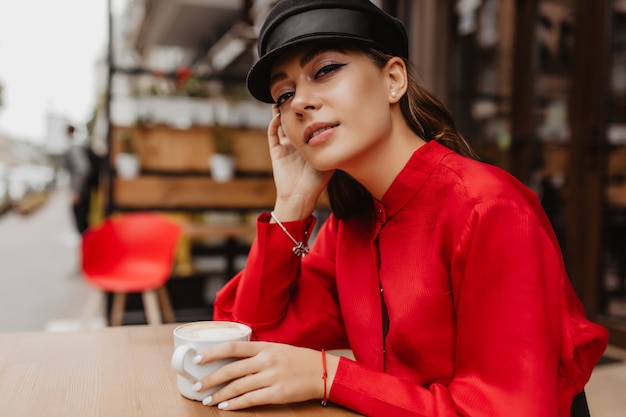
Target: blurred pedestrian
83	174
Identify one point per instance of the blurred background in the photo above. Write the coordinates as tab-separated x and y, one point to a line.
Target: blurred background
156	89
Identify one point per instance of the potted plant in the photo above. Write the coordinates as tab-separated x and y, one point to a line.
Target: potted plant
222	161
126	161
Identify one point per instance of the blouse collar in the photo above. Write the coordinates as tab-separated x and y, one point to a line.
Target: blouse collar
410	180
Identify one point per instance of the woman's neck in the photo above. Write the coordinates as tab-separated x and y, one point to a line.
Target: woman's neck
377	170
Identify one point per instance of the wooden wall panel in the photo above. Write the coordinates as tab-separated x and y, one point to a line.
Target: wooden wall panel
194	192
166	149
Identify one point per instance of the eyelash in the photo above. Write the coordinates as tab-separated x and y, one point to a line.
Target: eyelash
326	69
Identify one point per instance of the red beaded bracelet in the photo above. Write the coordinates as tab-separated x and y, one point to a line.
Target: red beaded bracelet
324	377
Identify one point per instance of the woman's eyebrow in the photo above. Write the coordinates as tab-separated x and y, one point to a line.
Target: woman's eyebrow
306	58
276	77
309	56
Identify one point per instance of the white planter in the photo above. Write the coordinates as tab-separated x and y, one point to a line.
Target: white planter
222	167
127	165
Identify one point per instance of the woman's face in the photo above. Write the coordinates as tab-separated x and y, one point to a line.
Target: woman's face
334	106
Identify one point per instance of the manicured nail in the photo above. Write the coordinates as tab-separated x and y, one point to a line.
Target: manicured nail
207	401
197	386
197	359
223	405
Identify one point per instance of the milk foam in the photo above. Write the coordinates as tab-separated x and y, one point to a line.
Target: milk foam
212	331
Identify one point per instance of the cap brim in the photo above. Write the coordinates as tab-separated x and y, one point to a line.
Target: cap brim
259	75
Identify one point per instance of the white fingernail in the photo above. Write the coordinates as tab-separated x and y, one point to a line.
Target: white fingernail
197	386
207	401
223	405
197	359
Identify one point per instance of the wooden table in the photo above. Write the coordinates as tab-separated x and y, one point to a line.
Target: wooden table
113	372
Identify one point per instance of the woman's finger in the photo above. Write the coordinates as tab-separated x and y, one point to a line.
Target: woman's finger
229	372
272	129
239	387
249	399
282	137
229	350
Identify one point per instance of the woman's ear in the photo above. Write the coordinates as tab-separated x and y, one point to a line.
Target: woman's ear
396	71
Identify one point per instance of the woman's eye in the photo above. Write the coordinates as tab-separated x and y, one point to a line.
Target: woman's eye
283	98
327	69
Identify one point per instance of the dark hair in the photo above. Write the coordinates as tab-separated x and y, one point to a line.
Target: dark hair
425	115
70	130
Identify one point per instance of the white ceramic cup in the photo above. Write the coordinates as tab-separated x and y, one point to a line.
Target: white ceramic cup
190	340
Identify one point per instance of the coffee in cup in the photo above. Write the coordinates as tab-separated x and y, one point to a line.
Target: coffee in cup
190	340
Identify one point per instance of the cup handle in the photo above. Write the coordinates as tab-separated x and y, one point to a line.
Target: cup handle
178	361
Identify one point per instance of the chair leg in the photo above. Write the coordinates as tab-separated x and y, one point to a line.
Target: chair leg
151	307
166	305
93	306
117	309
93	312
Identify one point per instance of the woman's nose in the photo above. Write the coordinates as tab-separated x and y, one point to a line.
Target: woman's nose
304	100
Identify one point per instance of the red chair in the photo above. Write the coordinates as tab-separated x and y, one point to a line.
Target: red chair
132	253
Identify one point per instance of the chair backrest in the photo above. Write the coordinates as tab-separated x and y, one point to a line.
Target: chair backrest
143	236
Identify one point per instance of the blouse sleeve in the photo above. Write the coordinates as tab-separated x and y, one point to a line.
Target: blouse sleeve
283	297
519	320
524	346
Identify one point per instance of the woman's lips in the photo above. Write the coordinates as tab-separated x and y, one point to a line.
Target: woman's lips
316	130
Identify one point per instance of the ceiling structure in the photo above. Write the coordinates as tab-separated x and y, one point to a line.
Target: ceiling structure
187	23
216	38
211	36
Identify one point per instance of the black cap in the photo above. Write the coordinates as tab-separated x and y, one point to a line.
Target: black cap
293	22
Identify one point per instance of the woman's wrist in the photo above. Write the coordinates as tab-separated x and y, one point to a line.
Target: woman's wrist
329	364
293	210
301	247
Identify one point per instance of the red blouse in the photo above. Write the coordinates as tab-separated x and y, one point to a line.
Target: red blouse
482	318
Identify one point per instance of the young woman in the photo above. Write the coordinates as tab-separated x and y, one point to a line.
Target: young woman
441	274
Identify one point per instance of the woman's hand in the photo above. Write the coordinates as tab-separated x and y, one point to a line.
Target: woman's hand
267	373
298	184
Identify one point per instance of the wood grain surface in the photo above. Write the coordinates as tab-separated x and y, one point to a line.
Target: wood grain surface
113	372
